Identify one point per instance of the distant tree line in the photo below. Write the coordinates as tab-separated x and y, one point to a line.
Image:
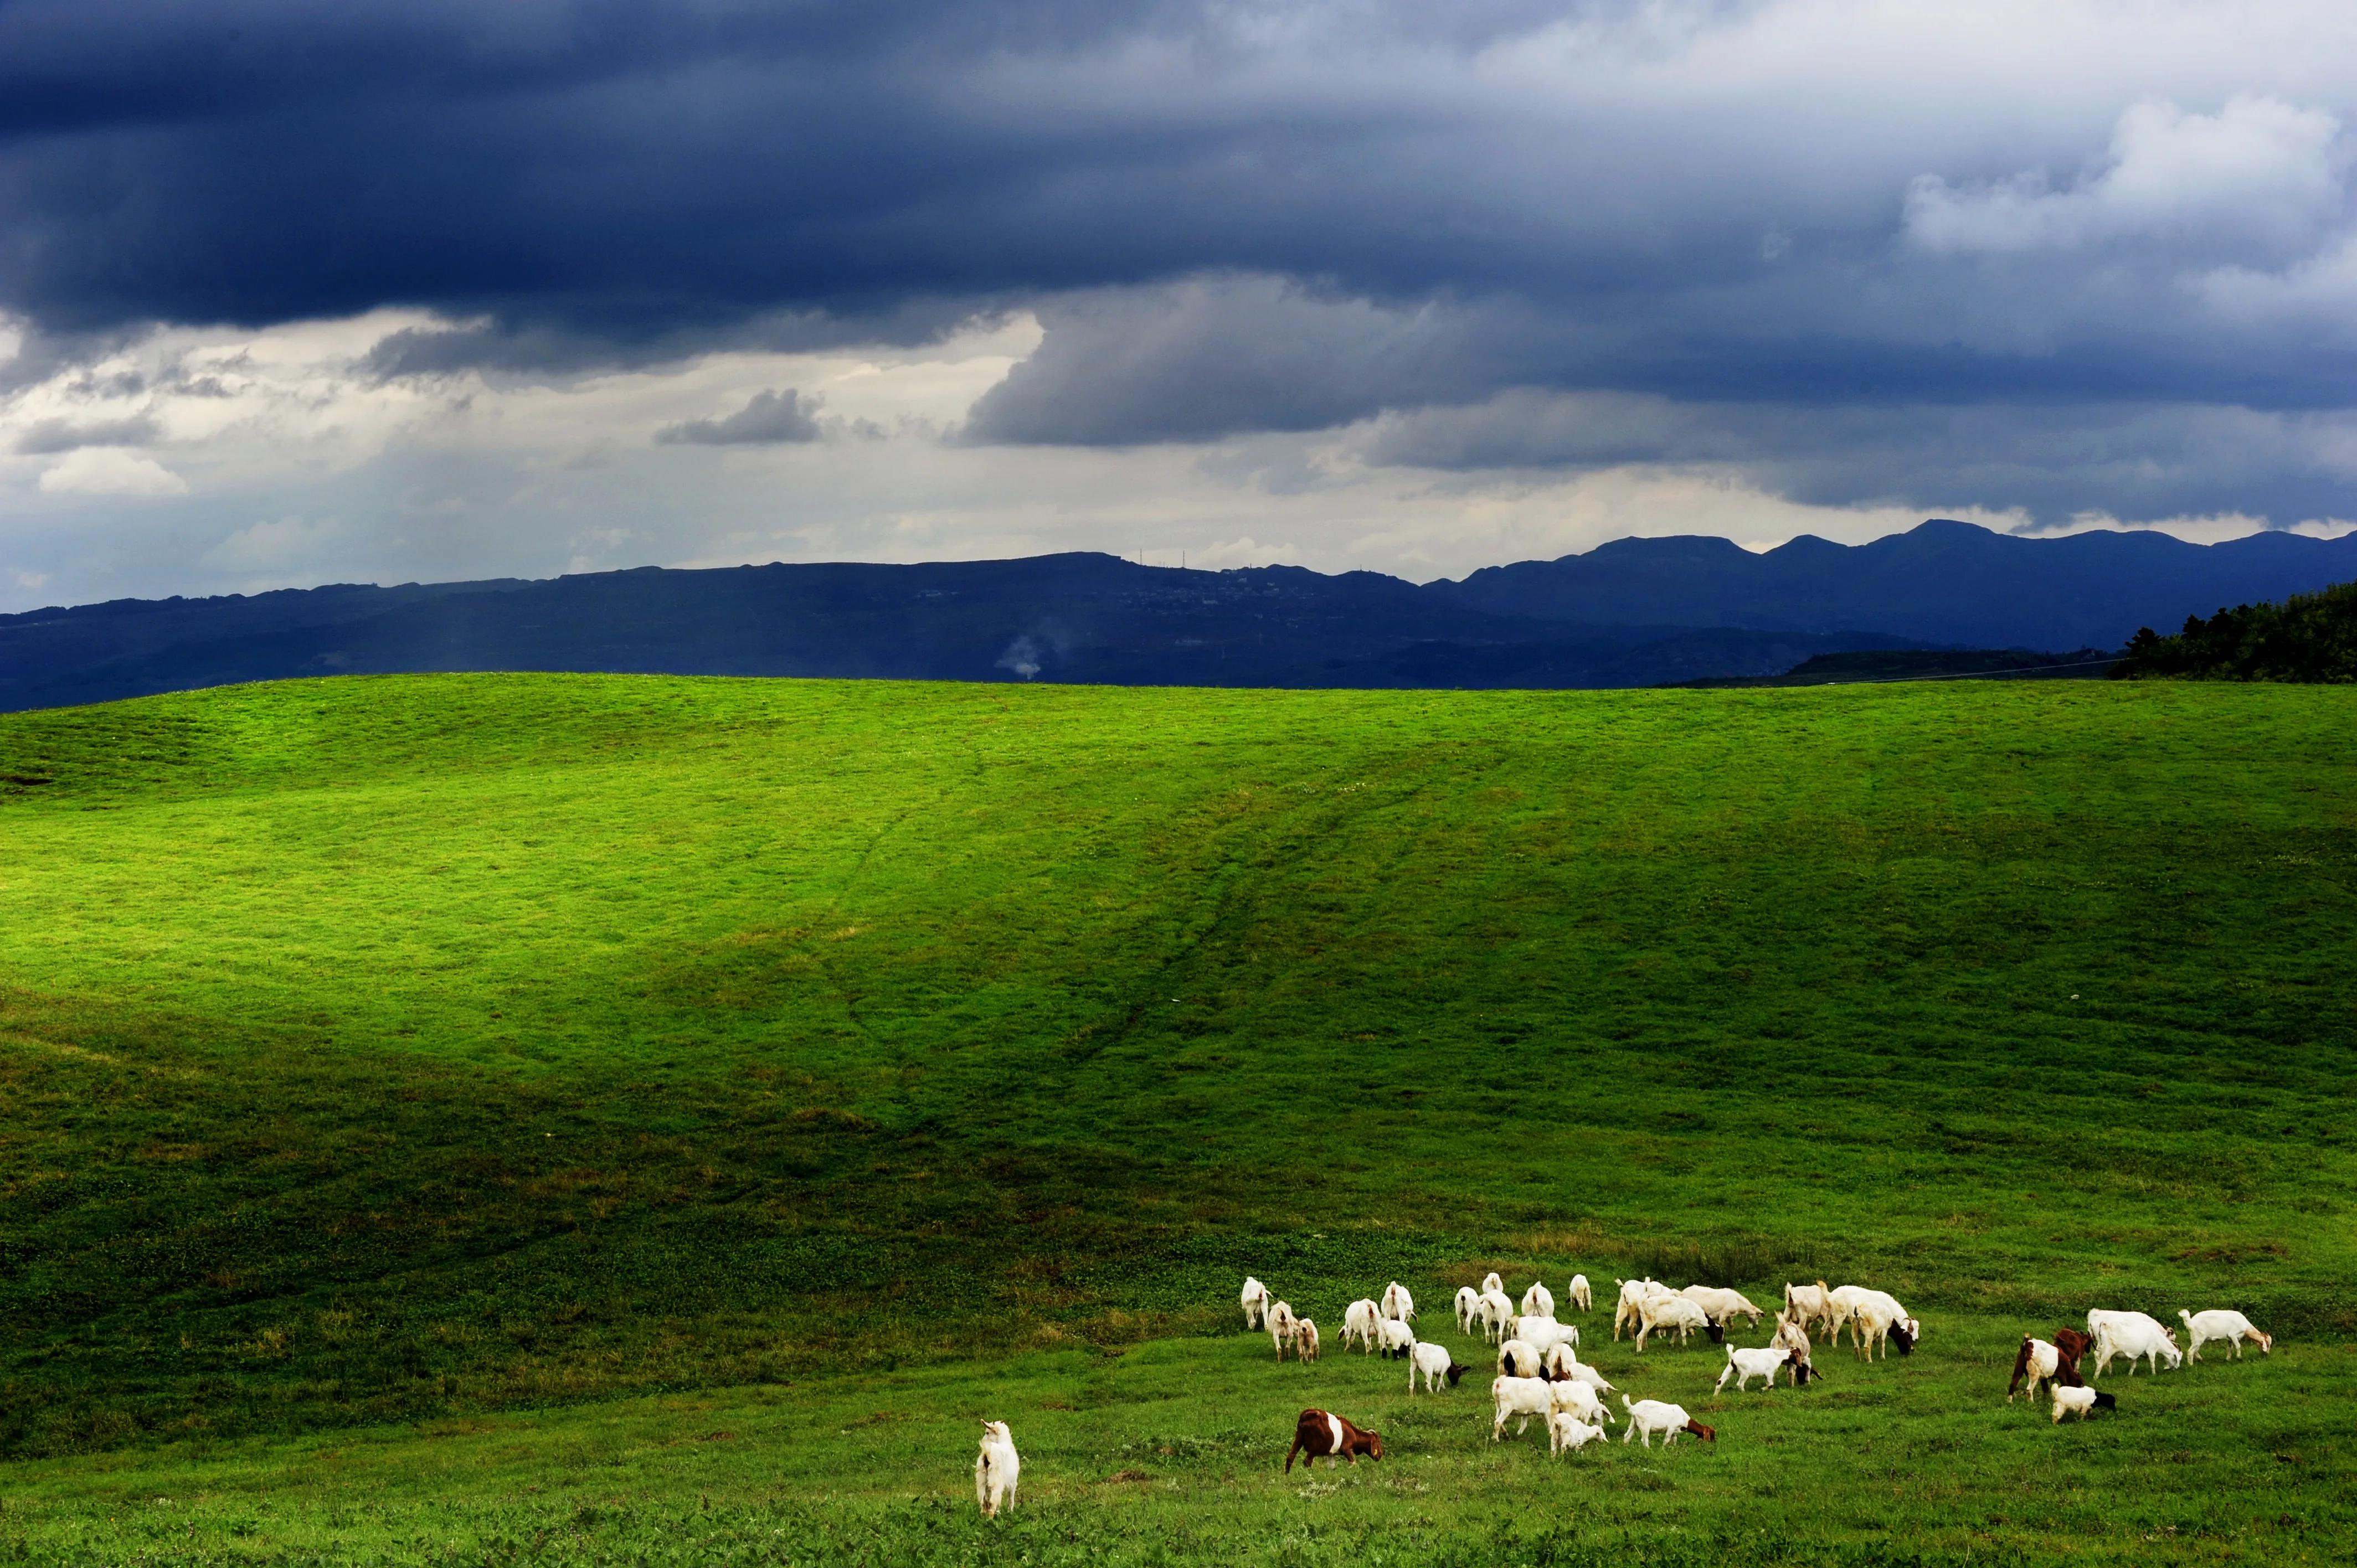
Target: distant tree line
2309	637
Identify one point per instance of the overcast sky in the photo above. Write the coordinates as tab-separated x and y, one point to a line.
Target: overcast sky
421	289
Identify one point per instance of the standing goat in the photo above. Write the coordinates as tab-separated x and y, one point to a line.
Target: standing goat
995	1469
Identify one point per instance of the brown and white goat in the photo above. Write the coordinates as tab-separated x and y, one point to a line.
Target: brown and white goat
1321	1435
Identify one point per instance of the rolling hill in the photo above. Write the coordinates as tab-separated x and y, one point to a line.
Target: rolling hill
429	1091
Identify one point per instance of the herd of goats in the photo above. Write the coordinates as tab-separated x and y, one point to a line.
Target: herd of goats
1541	1376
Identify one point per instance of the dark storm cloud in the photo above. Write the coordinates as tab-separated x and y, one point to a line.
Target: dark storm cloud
769	419
51	435
1251	217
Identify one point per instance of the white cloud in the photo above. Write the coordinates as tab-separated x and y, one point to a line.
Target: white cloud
284	551
2260	172
110	471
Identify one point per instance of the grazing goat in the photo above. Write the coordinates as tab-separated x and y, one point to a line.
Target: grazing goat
1497	1311
1398	1305
1655	1313
1567	1430
1524	1397
1304	1339
1516	1360
1720	1306
1469	1308
1631	1293
2070	1345
1538	1301
1358	1320
1437	1365
1745	1365
1395	1338
1255	1300
1805	1304
1580	1296
1793	1337
2136	1336
1873	1323
1571	1369
1492	1282
1856	1307
1280	1321
2081	1400
1648	1416
1323	1435
2038	1363
1542	1332
2221	1322
995	1469
1577	1398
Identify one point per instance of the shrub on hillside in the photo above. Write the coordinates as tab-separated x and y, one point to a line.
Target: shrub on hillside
2309	637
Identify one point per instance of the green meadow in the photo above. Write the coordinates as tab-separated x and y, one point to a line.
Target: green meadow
566	1119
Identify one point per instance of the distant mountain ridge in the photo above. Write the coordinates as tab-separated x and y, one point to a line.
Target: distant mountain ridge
1943	582
1633	612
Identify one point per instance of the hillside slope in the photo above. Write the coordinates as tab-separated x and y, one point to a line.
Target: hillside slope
383	1046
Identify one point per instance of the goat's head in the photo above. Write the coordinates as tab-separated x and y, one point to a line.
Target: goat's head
1904	1340
1704	1433
1718	1332
1375	1445
1454	1372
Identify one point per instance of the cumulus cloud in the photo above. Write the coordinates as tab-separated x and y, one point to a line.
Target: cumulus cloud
2260	172
110	471
771	418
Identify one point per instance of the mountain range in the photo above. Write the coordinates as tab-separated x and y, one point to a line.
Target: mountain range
1633	612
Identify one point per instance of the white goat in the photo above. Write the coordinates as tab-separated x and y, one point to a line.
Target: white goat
2221	1322
1567	1430
1745	1365
1805	1304
2036	1365
1280	1321
1655	1313
2138	1337
1580	1296
1469	1308
1624	1316
1571	1369
1538	1301
1304	1339
1648	1416
1437	1365
1497	1311
1516	1360
1524	1397
995	1469
1720	1305
1490	1282
1358	1320
1398	1305
2080	1401
1541	1332
1395	1338
1881	1322
1848	1302
1255	1301
1579	1398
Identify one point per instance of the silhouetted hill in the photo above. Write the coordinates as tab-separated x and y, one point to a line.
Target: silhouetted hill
1633	613
1077	617
1944	581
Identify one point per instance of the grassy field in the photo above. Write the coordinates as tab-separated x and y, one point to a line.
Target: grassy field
424	1090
